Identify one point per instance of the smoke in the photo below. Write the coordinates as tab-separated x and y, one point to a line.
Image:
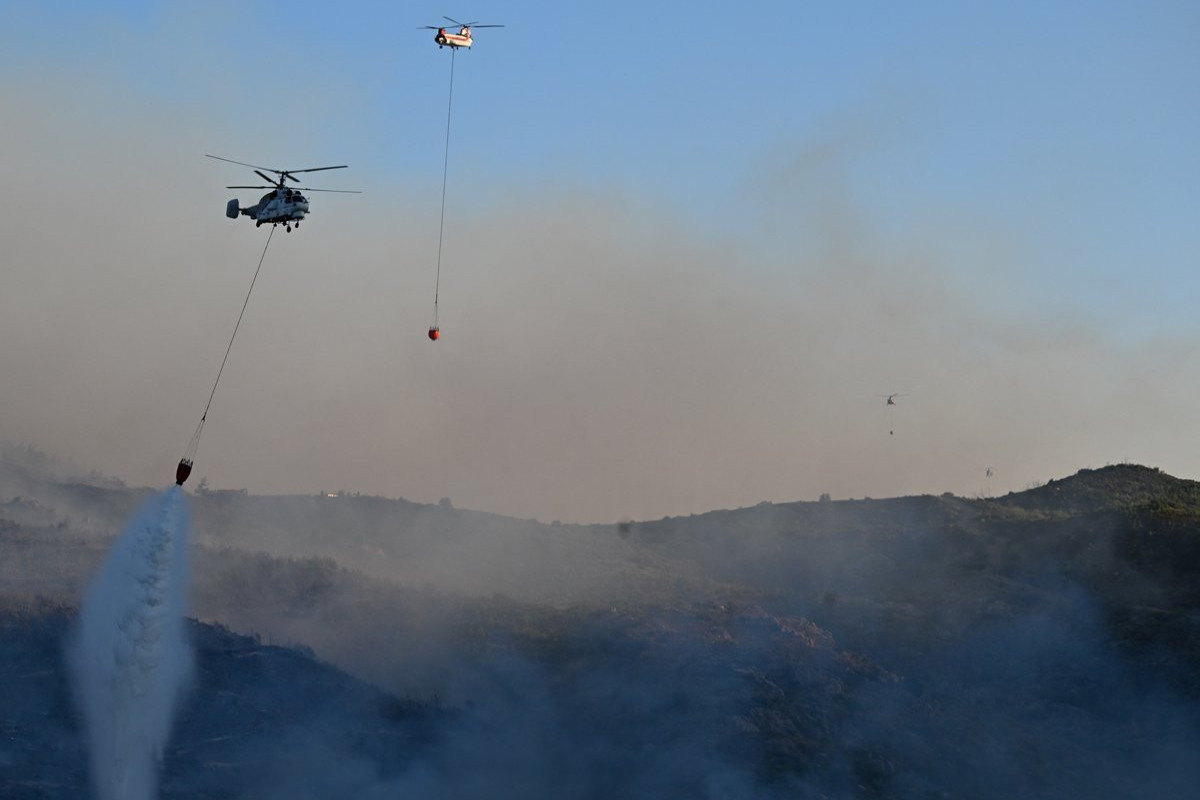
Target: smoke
916	647
602	356
129	657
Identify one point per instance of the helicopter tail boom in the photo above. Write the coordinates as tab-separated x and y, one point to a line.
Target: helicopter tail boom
233	211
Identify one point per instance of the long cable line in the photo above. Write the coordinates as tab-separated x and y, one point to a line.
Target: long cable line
189	455
442	221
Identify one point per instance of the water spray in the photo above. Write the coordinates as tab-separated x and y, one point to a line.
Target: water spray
129	657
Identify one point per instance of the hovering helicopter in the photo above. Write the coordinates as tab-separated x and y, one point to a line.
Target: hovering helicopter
891	401
455	40
283	204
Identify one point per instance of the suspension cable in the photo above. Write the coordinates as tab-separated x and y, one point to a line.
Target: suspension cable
190	454
445	171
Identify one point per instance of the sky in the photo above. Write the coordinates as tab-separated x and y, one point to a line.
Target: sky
688	247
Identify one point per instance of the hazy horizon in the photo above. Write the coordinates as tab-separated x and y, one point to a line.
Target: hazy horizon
643	314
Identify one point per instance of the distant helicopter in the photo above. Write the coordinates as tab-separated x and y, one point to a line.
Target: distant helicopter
283	204
455	40
891	401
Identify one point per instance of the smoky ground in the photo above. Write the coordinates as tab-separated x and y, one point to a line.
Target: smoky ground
912	647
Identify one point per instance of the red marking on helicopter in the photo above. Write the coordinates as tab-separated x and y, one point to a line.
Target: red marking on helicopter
445	38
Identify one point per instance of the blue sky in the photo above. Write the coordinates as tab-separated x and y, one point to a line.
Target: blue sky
1072	123
1034	160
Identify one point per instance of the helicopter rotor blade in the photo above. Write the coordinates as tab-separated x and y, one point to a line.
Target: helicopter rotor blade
264	176
244	164
270	169
300	189
456	22
430	27
315	169
485	26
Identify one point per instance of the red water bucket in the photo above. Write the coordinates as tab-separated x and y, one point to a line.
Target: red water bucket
435	333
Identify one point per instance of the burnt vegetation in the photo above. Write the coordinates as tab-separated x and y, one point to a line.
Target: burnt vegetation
1045	644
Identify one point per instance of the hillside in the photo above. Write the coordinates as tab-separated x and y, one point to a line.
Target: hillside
1045	643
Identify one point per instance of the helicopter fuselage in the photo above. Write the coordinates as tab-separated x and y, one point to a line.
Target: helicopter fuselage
277	206
446	39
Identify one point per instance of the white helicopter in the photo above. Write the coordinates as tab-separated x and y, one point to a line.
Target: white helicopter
455	40
283	204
